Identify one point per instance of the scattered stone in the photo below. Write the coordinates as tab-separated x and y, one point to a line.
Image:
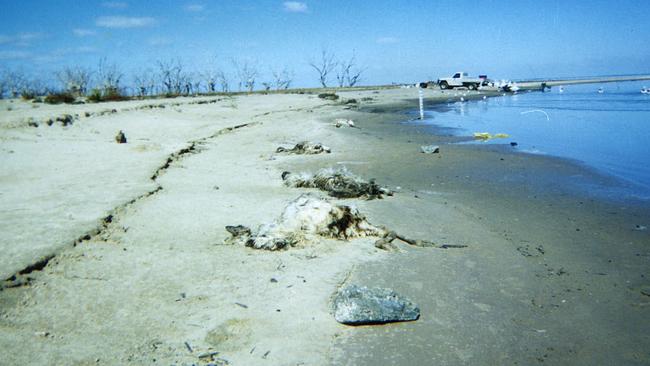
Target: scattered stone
526	251
339	183
65	119
354	305
640	228
120	138
430	149
305	147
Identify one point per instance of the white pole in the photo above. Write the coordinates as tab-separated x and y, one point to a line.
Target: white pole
421	103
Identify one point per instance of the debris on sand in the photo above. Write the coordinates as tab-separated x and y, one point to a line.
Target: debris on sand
237	231
386	242
430	149
343	122
305	147
65	119
304	219
354	305
328	96
120	138
339	183
307	218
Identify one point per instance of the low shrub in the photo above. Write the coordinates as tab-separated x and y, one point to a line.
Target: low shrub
95	96
328	96
107	95
58	98
27	95
114	95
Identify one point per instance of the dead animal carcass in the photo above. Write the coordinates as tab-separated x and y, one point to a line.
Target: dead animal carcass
304	219
305	147
308	217
339	183
343	122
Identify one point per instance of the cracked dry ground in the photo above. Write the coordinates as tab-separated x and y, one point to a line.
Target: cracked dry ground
152	282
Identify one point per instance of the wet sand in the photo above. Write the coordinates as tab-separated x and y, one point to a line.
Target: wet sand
551	274
554	273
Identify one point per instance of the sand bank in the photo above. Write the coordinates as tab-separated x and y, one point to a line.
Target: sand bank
155	283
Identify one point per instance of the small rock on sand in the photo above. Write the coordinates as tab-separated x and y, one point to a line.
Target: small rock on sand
355	305
120	138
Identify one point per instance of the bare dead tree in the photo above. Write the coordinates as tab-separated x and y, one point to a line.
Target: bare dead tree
246	73
324	66
109	76
32	88
171	76
341	71
348	72
355	76
15	82
211	76
3	83
75	80
223	81
145	82
190	84
196	84
282	78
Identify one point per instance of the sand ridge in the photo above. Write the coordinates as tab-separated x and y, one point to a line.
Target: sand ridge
146	270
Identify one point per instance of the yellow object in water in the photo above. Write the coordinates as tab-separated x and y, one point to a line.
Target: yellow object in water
488	136
482	135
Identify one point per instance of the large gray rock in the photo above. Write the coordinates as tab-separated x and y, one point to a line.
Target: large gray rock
354	305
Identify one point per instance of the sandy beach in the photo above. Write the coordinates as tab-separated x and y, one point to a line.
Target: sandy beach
114	253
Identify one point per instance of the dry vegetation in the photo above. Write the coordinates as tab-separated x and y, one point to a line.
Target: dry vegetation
171	78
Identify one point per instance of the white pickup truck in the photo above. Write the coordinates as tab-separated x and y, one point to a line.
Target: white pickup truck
462	79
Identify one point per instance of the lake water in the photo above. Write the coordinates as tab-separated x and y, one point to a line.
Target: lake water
609	131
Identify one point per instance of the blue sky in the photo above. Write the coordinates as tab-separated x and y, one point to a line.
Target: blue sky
401	41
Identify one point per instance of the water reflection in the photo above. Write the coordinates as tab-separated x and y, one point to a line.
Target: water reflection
608	131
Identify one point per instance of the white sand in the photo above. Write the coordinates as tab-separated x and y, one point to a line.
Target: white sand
157	276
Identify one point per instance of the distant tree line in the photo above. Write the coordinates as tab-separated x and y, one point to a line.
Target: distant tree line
172	78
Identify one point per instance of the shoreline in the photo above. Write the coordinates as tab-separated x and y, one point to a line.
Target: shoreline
515	202
158	276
